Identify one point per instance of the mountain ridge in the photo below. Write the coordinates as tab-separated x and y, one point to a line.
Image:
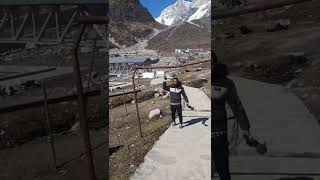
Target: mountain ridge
129	21
184	11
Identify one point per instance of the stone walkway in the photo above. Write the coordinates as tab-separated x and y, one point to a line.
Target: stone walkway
182	154
292	135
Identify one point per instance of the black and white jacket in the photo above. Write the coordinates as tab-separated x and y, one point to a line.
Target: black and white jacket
224	91
175	93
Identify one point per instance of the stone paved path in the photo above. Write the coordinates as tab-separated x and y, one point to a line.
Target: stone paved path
182	154
282	120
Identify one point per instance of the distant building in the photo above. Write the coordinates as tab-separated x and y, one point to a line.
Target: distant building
123	66
182	51
148	75
178	51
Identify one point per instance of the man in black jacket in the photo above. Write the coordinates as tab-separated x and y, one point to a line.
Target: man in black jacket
176	90
224	91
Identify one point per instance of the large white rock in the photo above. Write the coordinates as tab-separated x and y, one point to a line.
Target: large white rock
154	114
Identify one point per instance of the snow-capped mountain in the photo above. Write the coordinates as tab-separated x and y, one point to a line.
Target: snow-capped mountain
200	9
184	11
175	14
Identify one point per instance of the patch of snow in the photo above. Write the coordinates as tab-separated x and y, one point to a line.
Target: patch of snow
195	24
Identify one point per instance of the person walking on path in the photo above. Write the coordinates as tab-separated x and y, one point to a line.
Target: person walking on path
224	91
176	90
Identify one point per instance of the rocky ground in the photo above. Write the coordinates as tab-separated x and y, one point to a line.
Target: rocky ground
184	36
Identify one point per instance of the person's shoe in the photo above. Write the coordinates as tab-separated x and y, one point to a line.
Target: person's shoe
174	124
180	126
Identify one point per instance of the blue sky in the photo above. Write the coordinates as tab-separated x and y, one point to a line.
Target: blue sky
156	6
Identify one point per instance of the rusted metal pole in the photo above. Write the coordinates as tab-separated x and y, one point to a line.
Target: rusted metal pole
82	108
124	102
136	101
254	8
136	68
92	63
49	125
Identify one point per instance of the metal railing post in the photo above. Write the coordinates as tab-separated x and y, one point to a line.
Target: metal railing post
82	108
49	125
136	101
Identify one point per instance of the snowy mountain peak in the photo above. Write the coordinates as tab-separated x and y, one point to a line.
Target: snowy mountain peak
182	2
184	11
198	3
175	13
201	9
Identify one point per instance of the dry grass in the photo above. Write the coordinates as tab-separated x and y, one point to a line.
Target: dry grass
124	130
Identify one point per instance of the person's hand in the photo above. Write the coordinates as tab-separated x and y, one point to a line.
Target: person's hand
244	133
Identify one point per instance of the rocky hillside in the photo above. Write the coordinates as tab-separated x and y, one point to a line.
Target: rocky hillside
129	20
183	36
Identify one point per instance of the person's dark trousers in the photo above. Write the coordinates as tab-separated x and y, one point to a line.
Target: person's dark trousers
220	155
176	109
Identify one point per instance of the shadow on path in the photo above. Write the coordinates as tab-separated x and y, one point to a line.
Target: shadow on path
195	121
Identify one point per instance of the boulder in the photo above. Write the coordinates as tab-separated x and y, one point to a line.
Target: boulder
282	24
157	94
237	64
154	114
85	50
30	46
292	83
47	52
75	127
165	96
296	54
69	57
199	69
245	30
63	51
11	57
225	36
10	90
